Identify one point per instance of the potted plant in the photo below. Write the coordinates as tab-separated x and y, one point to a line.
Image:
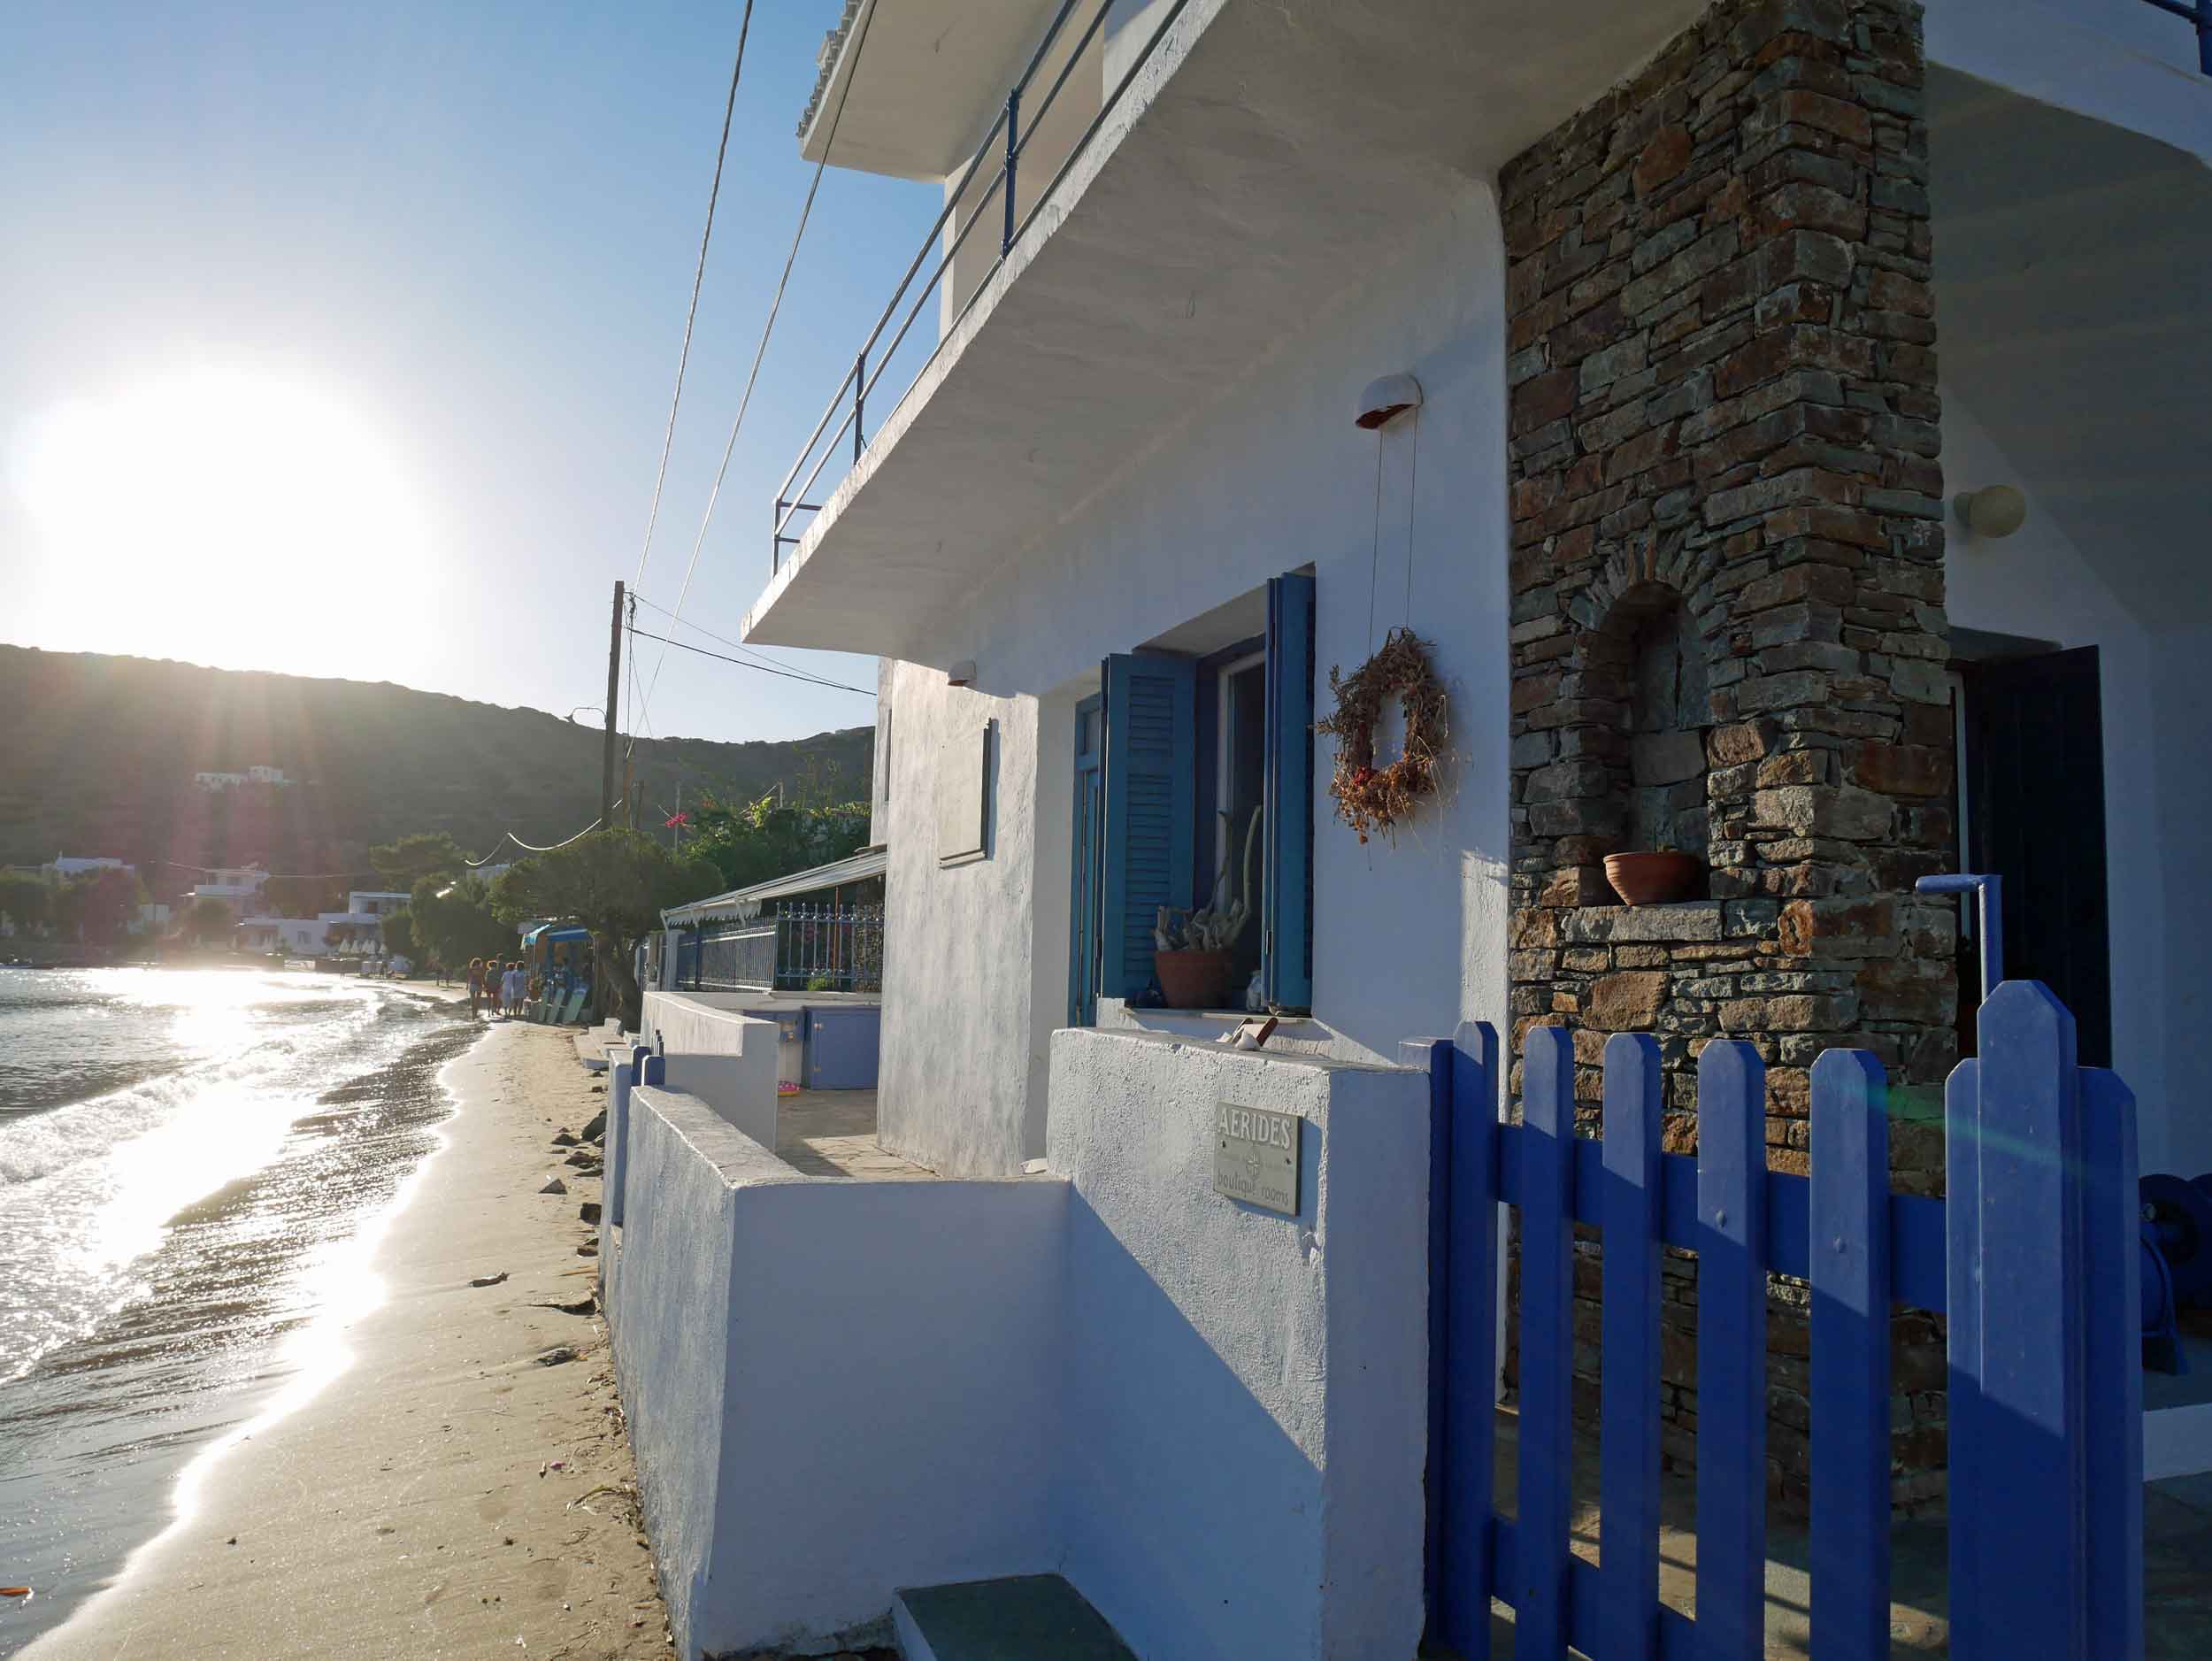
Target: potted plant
1654	878
1190	956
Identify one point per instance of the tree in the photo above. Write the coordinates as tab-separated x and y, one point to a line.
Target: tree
26	901
757	841
453	921
405	863
615	884
96	906
399	932
208	921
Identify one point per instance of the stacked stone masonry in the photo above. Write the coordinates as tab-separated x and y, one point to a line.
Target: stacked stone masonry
1728	630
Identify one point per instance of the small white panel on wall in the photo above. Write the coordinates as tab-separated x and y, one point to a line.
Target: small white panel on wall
963	777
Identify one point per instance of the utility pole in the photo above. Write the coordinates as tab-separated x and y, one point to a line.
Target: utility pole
614	692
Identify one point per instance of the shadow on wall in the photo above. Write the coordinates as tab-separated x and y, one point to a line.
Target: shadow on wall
1189	1517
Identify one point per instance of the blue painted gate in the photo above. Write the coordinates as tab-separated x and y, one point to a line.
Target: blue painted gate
2032	1260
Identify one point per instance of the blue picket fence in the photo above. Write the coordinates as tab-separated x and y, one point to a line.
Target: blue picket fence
2031	1258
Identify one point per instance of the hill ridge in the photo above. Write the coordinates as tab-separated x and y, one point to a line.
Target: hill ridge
101	756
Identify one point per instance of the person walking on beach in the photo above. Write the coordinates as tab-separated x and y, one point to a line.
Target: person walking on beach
514	988
476	987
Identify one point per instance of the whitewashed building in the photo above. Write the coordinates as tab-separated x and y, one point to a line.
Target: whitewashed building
1777	421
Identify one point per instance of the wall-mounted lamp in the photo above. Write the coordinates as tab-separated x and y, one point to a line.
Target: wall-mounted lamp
1995	511
1386	396
961	673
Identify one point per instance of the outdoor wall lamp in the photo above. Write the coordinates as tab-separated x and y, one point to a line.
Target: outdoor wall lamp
1387	395
1995	511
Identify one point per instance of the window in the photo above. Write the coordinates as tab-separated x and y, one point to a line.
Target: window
1199	760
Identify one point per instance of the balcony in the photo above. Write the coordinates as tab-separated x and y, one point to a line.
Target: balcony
1249	167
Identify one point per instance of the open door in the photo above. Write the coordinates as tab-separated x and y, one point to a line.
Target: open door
2032	769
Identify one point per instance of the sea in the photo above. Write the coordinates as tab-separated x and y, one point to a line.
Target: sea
195	1165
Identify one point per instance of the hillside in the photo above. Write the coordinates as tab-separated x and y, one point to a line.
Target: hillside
97	756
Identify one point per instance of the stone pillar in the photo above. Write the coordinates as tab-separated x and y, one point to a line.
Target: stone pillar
1728	628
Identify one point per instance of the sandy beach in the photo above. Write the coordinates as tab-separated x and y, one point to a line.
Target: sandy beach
461	1486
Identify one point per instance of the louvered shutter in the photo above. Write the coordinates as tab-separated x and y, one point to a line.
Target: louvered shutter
1286	901
1150	808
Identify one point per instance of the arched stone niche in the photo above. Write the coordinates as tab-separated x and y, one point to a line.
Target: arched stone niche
1650	647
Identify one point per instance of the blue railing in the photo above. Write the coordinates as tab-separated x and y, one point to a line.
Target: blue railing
1008	138
2199	13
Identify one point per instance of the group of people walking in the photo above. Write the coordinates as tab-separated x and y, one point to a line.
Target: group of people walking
506	987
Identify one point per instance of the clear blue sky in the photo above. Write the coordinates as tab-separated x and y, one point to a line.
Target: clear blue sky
339	339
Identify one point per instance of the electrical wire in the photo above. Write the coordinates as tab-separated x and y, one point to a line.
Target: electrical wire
788	674
860	43
530	848
766	660
698	280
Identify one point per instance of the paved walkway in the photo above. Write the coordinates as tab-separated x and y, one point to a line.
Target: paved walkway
833	1134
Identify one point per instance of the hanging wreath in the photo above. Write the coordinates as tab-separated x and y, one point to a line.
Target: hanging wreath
1369	797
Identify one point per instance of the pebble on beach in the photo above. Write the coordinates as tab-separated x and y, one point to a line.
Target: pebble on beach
554	1185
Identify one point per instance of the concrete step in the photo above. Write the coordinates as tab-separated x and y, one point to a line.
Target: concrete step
1023	1618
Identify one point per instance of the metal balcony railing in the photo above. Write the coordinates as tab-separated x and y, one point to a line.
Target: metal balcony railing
801	948
2199	13
1008	138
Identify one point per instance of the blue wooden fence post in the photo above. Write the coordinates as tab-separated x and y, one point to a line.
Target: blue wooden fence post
1731	1351
2017	1410
1849	1254
1628	1449
2113	1354
1547	1448
1465	1375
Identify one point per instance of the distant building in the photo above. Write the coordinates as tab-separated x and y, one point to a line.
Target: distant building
373	902
237	886
218	781
296	935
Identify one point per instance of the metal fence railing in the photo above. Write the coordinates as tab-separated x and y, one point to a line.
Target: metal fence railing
1009	139
801	948
739	959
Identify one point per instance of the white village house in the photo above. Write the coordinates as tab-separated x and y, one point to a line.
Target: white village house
1780	422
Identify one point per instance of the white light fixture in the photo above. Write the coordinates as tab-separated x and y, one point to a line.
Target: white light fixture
1995	511
961	673
1386	396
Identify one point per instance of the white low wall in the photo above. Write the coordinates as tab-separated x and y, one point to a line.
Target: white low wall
835	1388
724	1057
1246	1393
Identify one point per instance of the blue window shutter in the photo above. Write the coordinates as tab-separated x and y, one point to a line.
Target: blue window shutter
1286	899
1151	780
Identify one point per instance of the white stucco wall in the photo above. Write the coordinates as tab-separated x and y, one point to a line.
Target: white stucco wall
836	1388
724	1057
2155	671
1245	1393
1271	478
974	976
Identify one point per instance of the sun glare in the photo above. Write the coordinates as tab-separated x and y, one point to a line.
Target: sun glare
219	506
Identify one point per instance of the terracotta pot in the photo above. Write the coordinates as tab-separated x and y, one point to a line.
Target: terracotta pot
1650	879
1193	979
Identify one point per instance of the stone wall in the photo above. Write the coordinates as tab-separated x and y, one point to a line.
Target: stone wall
1723	434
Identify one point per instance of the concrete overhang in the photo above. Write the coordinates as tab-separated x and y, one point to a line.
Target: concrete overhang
2070	259
1263	164
931	74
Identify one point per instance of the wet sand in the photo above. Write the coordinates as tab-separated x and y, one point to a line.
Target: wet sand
447	1493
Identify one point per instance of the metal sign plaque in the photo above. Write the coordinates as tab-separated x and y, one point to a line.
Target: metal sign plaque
1256	1157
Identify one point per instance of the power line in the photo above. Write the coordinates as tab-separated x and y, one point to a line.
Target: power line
788	674
760	352
530	848
698	280
767	659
